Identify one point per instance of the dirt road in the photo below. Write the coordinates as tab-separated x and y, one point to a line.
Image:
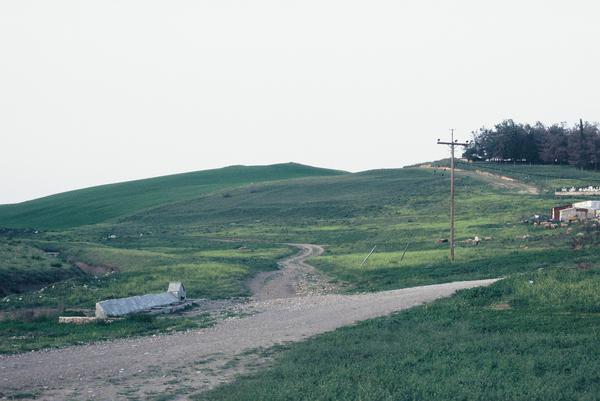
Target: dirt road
293	279
186	363
495	180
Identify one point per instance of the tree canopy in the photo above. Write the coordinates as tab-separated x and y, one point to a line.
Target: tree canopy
509	141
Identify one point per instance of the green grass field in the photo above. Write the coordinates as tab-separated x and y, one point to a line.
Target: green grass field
102	203
531	337
220	274
24	267
527	337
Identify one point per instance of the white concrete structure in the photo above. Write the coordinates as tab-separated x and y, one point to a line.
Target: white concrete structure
141	303
573	213
176	288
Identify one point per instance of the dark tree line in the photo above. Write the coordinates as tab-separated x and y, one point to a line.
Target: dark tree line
508	141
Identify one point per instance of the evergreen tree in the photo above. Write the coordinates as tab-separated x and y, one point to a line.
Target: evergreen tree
557	144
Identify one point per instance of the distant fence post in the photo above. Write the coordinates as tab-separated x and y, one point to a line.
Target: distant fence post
404	253
363	262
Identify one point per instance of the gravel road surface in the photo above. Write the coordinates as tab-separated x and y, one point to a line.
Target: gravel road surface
189	362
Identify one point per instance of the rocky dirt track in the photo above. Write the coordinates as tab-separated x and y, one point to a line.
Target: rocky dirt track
186	363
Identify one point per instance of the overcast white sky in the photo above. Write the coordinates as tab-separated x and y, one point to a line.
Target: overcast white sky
93	92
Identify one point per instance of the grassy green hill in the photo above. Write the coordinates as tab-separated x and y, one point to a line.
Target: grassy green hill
102	203
352	213
527	337
348	213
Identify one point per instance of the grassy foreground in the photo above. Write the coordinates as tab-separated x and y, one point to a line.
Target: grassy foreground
533	336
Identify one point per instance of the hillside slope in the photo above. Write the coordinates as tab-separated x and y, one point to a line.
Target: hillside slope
351	214
546	177
368	193
102	203
388	199
215	241
533	328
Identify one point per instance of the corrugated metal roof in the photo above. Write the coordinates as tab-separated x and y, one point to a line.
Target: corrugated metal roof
124	306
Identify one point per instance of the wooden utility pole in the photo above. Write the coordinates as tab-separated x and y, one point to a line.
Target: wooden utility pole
453	143
581	143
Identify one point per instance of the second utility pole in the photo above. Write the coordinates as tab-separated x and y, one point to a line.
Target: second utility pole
452	144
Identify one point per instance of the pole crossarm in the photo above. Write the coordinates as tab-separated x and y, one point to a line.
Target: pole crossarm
454	143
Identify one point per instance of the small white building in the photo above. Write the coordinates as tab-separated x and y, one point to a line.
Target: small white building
573	214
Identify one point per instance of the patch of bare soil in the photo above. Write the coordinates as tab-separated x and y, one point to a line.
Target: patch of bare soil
28	314
181	364
584	266
96	270
501	181
501	306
